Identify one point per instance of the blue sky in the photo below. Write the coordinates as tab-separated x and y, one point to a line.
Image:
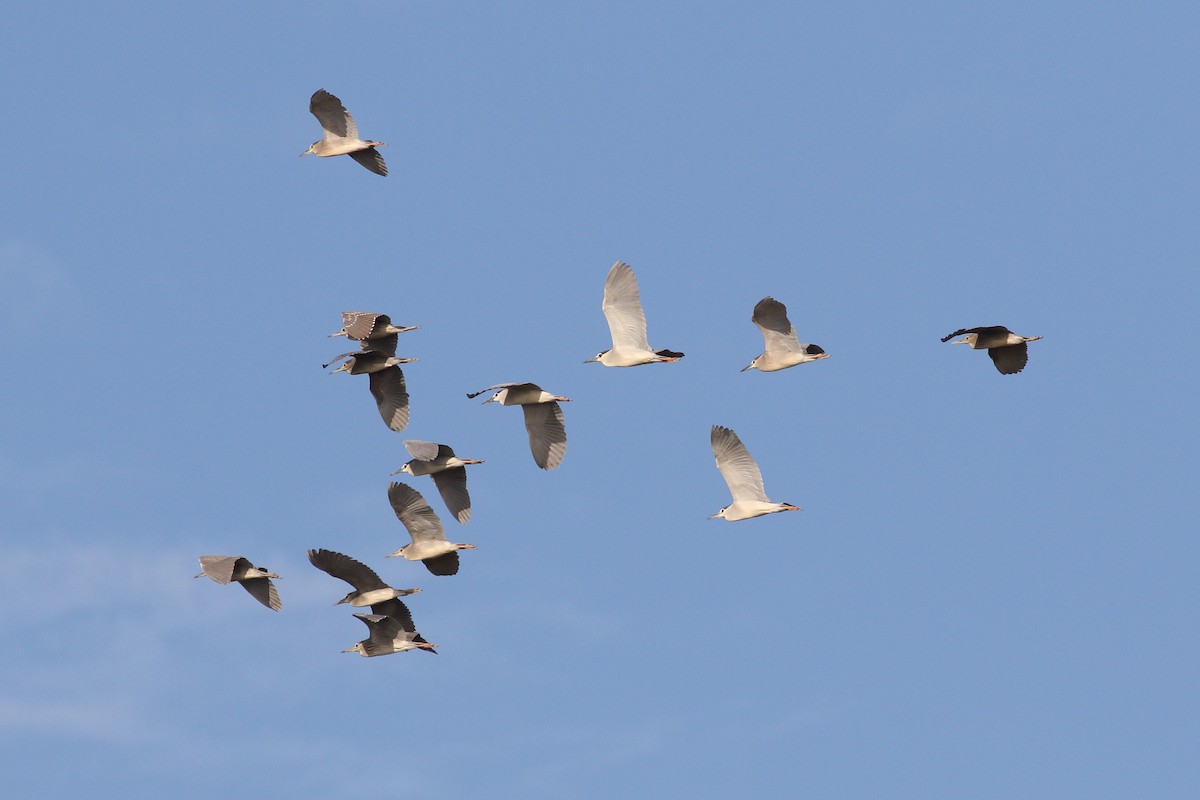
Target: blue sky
990	592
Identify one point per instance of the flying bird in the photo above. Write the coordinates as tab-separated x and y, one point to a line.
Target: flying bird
369	589
340	134
387	382
449	473
255	580
429	543
543	419
372	331
627	323
1008	350
742	475
388	635
782	348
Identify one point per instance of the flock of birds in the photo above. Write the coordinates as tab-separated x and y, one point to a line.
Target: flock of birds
390	625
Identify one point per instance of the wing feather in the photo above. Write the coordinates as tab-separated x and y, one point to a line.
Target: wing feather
736	465
623	309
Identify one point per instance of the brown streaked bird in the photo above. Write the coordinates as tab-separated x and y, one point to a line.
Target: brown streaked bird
543	419
255	580
387	382
340	134
622	308
388	635
369	589
374	331
429	543
449	473
1008	350
782	349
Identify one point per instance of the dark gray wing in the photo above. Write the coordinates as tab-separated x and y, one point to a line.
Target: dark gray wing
547	433
355	573
371	159
779	336
416	515
382	344
332	115
387	386
452	486
443	565
263	590
1011	358
981	333
397	610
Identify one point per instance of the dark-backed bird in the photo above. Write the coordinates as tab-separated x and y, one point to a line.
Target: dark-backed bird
781	347
743	477
543	419
255	580
429	544
627	323
372	331
1008	350
388	635
449	473
387	382
369	589
340	134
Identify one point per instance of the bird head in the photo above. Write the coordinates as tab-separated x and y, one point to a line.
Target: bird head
346	599
752	365
720	514
597	358
406	469
312	148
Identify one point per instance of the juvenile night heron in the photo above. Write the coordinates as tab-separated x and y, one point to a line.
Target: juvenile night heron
627	323
543	419
387	382
369	589
373	331
782	348
742	475
1008	350
255	580
388	635
449	473
429	543
340	134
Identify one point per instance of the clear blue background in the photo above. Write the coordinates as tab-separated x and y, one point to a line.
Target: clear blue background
991	592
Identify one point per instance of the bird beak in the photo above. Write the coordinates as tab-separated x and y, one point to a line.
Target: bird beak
714	516
337	333
591	360
748	366
352	649
962	341
397	472
1032	338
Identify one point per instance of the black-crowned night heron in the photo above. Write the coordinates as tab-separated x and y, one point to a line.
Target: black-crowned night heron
1008	350
448	471
340	134
388	635
627	323
742	475
372	331
429	543
255	580
781	347
387	382
369	589
543	419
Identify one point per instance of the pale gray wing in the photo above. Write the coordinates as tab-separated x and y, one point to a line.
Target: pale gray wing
422	451
263	590
1011	358
547	433
219	568
416	515
736	466
382	627
471	395
623	308
353	572
452	486
395	609
333	116
371	159
443	565
387	386
779	336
